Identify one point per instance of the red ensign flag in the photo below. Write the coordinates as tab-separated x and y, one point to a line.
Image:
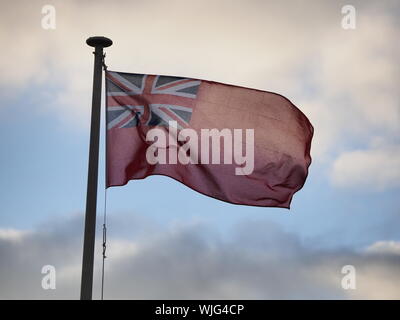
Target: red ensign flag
235	144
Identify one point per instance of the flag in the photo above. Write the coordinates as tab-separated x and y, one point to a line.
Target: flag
239	145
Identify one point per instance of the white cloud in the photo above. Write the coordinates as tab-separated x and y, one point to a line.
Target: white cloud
384	247
12	235
371	169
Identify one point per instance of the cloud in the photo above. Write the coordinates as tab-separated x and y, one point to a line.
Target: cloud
12	235
371	169
384	247
256	260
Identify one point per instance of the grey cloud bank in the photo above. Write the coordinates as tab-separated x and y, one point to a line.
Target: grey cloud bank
257	260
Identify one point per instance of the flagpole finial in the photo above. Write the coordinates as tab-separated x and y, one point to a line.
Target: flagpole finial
99	42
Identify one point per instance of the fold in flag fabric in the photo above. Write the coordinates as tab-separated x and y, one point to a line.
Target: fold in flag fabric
240	145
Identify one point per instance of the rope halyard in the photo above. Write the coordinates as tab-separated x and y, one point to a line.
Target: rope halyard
104	63
104	244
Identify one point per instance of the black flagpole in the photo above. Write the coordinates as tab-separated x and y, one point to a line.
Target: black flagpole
91	198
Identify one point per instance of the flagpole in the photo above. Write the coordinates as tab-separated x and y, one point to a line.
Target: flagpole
91	197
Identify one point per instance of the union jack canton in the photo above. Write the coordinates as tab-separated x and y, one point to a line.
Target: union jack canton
150	100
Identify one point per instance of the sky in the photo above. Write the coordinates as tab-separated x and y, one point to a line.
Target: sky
165	241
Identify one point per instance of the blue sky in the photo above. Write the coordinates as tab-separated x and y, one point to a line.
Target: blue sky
345	81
